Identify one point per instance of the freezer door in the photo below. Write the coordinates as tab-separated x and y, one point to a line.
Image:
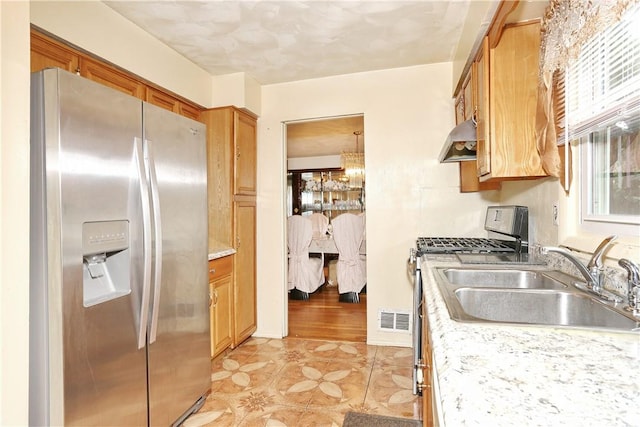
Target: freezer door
179	359
91	267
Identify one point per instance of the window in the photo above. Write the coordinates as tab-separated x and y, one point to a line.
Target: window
603	114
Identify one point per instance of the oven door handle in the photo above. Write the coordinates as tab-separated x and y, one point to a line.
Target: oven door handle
412	262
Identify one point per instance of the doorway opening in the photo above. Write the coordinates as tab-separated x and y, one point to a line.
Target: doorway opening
326	181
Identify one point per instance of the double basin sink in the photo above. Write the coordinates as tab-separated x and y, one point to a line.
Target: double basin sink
530	297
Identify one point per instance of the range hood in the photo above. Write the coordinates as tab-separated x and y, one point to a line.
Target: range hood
460	145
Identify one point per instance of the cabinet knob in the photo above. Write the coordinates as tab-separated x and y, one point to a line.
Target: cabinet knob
212	271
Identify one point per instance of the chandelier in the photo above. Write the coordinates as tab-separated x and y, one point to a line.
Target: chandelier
353	164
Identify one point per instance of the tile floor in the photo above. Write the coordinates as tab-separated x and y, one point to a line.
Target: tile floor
297	382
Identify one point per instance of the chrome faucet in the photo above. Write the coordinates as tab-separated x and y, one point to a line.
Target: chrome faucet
593	272
633	277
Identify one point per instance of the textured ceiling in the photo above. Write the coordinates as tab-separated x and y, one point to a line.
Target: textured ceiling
281	41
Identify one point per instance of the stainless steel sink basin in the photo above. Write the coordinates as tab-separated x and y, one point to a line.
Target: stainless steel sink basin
513	279
541	308
530	297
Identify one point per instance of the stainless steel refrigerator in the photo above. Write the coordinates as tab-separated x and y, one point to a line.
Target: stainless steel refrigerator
119	318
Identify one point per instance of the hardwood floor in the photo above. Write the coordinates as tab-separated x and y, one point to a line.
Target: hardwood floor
322	316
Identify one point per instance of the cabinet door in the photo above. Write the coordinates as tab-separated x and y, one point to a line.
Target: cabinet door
221	284
111	76
220	158
46	53
171	103
245	269
481	67
161	99
513	83
469	181
245	151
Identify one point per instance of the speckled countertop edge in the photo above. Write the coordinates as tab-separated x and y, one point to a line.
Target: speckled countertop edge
500	375
220	252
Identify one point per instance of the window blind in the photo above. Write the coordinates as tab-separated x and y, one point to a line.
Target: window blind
603	84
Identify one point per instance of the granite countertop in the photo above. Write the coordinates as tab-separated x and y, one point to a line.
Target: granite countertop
501	375
220	251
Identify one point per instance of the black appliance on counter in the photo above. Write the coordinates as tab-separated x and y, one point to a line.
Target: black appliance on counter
510	223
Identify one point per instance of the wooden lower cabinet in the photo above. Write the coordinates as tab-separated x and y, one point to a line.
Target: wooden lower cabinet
221	303
245	317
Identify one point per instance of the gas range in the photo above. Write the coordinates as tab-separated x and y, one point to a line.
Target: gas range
510	221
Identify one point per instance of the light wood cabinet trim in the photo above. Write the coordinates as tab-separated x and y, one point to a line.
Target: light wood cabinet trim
482	109
499	19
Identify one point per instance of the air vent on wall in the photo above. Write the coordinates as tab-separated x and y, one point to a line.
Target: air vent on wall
394	320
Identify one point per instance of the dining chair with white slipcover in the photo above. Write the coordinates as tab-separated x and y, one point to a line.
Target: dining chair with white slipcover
305	274
319	225
348	234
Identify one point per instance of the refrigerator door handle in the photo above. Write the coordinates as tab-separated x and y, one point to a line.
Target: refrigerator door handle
157	225
146	243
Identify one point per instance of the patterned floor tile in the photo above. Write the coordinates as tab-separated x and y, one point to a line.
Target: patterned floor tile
296	382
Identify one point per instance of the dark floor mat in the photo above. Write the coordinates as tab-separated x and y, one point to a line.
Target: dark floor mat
356	419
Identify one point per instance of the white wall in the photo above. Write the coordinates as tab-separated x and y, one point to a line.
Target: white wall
408	113
539	195
14	212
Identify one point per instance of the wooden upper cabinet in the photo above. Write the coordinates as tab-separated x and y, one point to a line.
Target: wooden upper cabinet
506	128
471	92
245	130
220	160
47	53
171	103
111	76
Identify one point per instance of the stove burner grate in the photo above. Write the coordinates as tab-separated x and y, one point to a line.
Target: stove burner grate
444	245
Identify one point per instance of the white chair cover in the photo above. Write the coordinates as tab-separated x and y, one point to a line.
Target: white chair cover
348	233
320	225
305	274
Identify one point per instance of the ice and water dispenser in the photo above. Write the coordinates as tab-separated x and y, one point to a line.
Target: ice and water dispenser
106	261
